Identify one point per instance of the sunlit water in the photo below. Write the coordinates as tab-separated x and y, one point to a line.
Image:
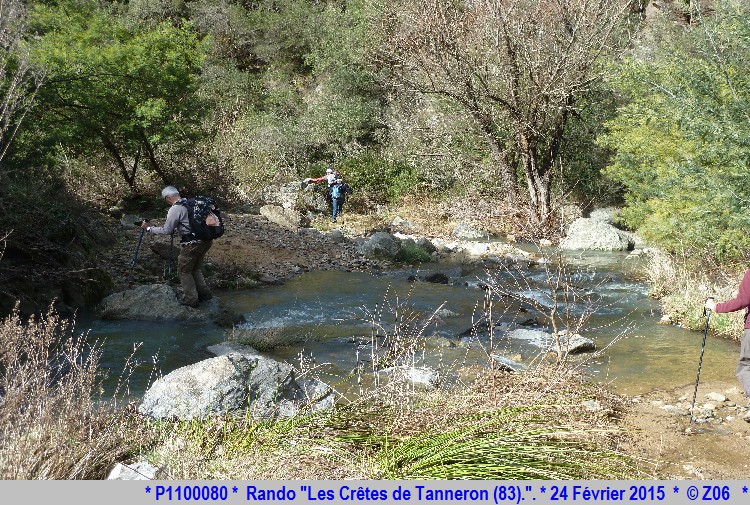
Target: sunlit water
331	317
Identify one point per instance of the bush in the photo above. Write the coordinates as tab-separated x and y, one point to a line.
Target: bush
51	427
383	180
411	253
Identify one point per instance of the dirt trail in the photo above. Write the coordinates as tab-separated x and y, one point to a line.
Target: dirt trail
717	449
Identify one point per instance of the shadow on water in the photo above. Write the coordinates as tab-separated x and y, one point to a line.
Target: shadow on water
331	315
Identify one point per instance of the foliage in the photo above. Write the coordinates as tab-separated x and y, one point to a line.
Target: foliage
382	180
517	69
293	91
51	426
411	253
36	257
117	87
436	138
18	81
583	160
681	139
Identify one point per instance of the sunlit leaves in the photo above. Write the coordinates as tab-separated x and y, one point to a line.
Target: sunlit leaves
117	86
681	141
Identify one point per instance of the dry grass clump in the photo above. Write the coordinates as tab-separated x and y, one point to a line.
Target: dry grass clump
504	425
682	291
50	426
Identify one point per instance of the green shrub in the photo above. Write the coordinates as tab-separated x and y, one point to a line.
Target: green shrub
411	253
679	139
381	179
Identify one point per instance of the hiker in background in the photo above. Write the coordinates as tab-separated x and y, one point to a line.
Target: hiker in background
192	251
329	177
741	301
338	190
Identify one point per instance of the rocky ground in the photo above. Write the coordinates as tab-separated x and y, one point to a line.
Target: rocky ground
251	253
715	444
254	252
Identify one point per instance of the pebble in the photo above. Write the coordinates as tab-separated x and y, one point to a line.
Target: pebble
716	397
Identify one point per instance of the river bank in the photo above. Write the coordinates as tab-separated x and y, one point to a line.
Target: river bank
653	425
657	423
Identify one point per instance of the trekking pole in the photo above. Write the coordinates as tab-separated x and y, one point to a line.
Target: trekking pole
135	256
171	251
707	313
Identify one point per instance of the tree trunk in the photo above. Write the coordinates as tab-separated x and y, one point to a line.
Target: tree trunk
152	159
508	179
127	175
537	174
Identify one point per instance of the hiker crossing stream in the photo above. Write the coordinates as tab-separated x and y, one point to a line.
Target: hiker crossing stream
327	322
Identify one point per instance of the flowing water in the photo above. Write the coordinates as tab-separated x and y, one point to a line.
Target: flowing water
330	319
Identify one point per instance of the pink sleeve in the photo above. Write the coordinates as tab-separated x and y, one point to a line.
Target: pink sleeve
741	301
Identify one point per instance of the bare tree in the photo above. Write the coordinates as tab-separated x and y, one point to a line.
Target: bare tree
516	67
18	82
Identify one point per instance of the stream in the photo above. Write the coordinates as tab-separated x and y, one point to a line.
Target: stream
329	317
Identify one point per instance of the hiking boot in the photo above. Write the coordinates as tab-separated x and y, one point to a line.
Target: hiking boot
204	298
186	303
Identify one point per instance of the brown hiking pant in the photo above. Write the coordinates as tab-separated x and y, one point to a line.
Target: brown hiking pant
743	367
189	267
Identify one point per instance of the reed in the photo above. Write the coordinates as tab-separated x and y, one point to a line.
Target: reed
50	425
502	444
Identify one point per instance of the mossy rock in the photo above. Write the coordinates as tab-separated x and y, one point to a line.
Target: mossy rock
409	252
86	288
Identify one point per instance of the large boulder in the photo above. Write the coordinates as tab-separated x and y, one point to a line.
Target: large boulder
237	384
506	364
569	343
586	234
316	395
286	218
475	252
379	245
156	302
298	196
401	225
420	377
283	195
312	199
84	289
464	231
605	215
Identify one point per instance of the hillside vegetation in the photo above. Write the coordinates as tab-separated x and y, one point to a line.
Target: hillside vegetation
528	106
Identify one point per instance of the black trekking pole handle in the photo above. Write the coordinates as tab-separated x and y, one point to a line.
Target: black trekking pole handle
135	256
707	314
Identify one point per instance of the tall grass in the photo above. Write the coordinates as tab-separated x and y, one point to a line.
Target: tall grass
50	428
501	444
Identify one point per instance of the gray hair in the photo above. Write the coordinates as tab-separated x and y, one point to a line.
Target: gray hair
169	191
